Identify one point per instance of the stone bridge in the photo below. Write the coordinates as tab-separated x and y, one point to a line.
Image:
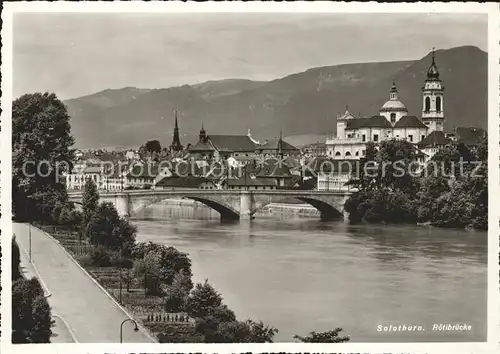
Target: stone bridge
231	204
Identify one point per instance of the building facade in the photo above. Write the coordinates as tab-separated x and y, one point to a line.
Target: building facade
392	121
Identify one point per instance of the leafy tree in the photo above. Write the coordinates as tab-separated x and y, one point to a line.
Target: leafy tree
90	200
202	300
41	154
153	146
31	317
394	159
147	268
177	293
324	337
16	260
70	218
367	169
142	248
108	229
261	333
233	332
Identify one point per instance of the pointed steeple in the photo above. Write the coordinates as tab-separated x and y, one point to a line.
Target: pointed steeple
280	145
432	72
203	133
176	142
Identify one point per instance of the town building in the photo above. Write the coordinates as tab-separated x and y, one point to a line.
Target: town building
277	147
393	121
221	147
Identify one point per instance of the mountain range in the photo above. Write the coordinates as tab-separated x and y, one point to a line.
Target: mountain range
305	103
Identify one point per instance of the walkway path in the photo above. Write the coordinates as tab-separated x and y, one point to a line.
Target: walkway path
89	312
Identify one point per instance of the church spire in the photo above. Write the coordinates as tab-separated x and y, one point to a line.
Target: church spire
176	142
203	133
280	145
432	72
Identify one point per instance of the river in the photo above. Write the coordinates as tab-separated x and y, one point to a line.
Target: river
300	274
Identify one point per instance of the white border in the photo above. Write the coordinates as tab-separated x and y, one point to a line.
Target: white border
372	7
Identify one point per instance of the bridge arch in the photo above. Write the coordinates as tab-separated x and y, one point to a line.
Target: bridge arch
226	211
329	208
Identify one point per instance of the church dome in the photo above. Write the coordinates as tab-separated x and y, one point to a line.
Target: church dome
392	105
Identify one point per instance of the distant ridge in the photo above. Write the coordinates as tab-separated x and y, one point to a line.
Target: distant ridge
299	104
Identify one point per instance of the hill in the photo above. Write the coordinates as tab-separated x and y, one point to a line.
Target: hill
301	103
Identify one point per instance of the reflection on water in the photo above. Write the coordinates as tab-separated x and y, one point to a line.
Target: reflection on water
302	274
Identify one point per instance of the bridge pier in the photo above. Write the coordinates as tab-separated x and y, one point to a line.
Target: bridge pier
246	205
122	204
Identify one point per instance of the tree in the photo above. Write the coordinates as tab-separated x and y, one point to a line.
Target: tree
107	228
170	262
394	160
90	200
41	154
202	300
16	260
323	337
31	315
70	218
261	333
147	268
177	293
153	146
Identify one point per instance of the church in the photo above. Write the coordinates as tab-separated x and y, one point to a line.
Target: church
393	121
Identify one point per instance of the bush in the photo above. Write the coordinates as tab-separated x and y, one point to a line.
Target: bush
31	317
100	257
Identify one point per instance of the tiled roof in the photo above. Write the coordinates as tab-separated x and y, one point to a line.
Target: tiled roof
202	146
372	122
232	143
409	122
92	169
185	182
273	145
257	181
470	135
435	138
274	168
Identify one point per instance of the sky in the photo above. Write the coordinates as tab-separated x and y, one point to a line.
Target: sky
74	54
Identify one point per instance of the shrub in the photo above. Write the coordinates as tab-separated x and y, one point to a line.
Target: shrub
99	257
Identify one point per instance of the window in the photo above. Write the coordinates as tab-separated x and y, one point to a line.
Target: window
337	153
410	137
347	153
363	137
357	153
423	137
438	104
375	137
393	118
427	104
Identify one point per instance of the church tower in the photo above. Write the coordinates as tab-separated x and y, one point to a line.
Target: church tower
176	142
203	134
432	104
